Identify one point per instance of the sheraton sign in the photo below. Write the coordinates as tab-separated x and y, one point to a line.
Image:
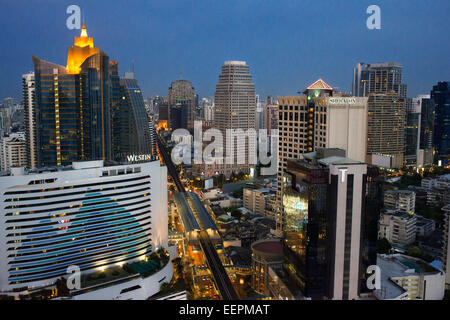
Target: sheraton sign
342	100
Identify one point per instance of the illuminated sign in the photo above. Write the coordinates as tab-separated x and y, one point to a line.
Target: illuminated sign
343	171
342	100
140	157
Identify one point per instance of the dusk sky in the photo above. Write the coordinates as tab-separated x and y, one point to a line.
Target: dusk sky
287	44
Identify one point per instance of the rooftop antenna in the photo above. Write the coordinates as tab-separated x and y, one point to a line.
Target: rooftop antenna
132	65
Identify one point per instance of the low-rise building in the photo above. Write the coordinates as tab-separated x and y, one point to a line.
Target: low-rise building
438	190
424	226
257	200
13	151
407	278
397	227
401	200
265	254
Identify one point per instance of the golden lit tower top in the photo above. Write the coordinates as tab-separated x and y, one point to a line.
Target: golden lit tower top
82	49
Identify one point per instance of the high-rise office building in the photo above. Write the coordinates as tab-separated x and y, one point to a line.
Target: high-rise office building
445	255
136	138
331	207
28	87
86	215
235	108
208	110
13	151
441	98
271	117
73	106
6	120
383	77
182	97
412	131
419	131
386	130
321	118
260	113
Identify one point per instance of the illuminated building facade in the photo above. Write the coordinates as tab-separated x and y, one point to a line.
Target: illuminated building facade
89	215
28	86
73	106
321	118
136	137
182	101
331	206
386	130
441	98
384	77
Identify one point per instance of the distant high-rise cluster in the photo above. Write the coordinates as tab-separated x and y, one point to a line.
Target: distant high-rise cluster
182	105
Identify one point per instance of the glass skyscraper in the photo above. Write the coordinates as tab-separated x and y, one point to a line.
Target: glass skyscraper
73	106
441	98
331	207
135	135
84	111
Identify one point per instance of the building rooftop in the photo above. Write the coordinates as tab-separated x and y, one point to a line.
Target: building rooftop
409	192
268	247
385	64
398	265
337	160
235	63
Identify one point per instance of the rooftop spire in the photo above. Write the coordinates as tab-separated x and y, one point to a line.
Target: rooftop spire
83	28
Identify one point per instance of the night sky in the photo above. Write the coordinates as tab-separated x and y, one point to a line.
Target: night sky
288	44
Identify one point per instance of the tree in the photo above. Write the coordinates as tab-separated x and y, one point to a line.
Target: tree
239	193
165	287
236	214
383	246
414	252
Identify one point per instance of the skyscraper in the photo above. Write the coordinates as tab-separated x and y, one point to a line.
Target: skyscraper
386	130
321	118
13	151
412	131
331	208
136	138
235	108
73	106
182	96
419	131
383	77
441	98
28	87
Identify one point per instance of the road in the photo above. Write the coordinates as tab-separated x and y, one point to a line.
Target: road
218	272
170	166
220	276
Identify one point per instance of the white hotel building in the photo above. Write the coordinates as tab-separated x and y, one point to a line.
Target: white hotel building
88	215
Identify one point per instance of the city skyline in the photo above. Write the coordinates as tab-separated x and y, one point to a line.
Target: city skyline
235	151
262	35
